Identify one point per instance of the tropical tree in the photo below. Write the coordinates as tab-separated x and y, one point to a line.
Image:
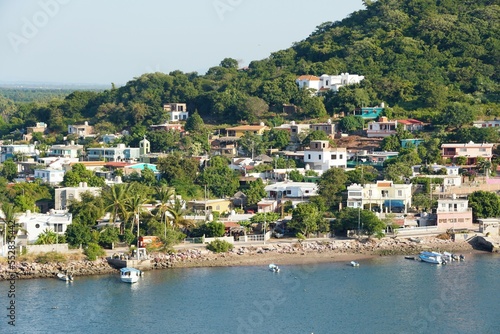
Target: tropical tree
484	204
47	237
115	199
177	213
355	219
331	185
9	219
255	192
306	218
164	195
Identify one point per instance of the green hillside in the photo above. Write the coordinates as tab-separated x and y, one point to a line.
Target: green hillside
420	57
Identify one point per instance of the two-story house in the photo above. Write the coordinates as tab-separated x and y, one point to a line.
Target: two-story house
10	150
50	176
411	124
453	213
470	150
118	153
381	128
64	196
329	128
66	151
320	157
40	127
81	130
33	224
176	111
383	196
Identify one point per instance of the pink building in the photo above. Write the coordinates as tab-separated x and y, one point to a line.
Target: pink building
470	150
453	213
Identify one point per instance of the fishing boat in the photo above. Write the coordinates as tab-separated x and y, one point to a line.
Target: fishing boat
65	277
130	275
274	268
354	264
432	257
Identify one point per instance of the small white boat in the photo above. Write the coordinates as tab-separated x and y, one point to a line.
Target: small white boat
65	277
354	264
130	275
274	268
432	257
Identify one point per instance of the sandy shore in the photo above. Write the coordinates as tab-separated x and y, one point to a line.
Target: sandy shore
283	253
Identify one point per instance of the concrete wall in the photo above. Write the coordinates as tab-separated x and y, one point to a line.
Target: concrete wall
34	249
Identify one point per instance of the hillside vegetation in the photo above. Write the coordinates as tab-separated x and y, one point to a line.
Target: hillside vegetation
420	57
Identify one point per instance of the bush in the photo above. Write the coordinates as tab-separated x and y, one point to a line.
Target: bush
50	257
220	246
93	251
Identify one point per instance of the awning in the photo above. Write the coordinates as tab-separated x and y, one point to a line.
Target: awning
394	203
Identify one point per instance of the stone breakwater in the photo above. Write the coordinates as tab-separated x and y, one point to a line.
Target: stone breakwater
24	270
325	250
248	255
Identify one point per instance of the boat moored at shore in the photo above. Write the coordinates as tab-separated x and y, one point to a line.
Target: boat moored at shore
432	257
130	275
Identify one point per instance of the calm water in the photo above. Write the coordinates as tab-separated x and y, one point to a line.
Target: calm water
383	295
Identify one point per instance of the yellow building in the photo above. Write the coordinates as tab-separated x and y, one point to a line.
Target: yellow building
239	131
218	205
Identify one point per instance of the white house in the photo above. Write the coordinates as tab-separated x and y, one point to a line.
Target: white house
36	223
8	151
383	196
63	196
328	82
320	157
66	151
50	176
82	130
176	111
283	190
118	153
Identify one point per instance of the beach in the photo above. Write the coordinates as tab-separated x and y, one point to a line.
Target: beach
285	252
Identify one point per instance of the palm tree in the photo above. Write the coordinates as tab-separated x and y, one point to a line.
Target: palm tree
115	198
9	220
177	214
134	207
164	194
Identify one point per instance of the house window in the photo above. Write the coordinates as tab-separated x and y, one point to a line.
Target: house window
288	192
340	156
442	221
307	191
334	157
482	150
385	193
309	156
58	227
400	193
463	150
319	157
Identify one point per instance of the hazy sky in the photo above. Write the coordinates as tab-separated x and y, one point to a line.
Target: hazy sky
104	41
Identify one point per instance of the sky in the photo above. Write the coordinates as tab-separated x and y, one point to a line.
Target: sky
113	41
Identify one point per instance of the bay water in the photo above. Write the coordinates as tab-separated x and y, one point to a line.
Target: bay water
382	295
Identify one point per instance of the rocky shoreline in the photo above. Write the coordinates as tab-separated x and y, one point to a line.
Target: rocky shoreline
283	253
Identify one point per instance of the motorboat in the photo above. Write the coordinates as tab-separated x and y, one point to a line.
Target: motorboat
354	264
274	268
65	277
130	275
432	257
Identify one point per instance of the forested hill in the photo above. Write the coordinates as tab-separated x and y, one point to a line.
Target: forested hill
420	57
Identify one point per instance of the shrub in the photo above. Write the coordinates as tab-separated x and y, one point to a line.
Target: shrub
220	246
301	237
50	257
93	251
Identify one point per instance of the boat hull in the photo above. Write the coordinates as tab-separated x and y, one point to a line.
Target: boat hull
431	257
